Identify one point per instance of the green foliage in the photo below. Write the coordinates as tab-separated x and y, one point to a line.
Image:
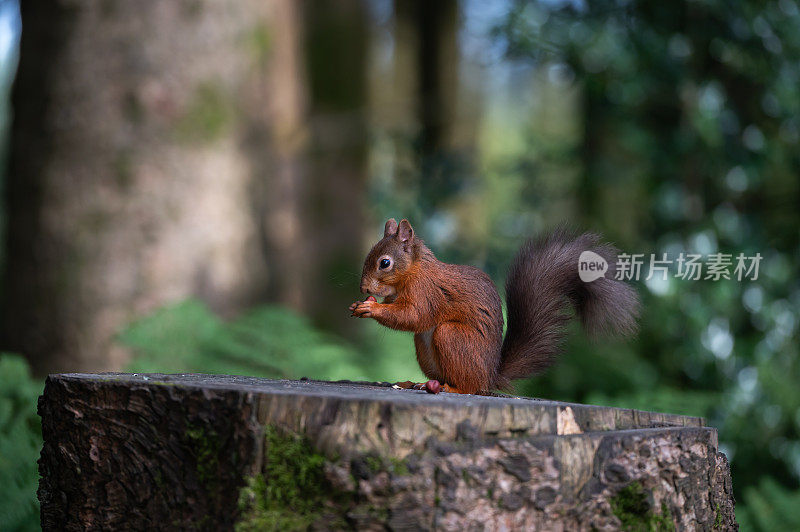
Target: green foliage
769	506
20	443
684	138
268	342
632	508
289	493
670	400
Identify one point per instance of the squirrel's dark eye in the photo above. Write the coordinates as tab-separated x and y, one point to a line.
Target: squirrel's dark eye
384	263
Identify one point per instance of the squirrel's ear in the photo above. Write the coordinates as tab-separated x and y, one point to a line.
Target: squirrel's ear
390	228
405	233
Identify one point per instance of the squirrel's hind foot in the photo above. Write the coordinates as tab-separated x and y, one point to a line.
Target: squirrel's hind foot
452	389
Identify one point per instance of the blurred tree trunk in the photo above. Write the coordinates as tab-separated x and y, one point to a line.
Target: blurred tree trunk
426	66
276	141
438	74
336	46
404	113
401	108
127	187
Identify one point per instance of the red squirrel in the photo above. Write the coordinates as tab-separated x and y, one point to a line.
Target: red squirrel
456	314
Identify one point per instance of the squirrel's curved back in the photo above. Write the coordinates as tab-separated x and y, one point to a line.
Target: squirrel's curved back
543	284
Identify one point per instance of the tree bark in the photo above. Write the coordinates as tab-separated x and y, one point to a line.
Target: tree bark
127	185
177	451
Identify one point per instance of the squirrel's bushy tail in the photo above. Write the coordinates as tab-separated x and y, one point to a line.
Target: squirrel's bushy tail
543	285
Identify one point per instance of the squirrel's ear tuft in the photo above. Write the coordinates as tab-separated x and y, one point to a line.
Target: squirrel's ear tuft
390	228
405	233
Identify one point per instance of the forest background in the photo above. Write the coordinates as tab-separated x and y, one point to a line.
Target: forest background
191	186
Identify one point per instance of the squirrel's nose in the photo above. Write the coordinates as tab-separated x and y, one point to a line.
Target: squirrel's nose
363	288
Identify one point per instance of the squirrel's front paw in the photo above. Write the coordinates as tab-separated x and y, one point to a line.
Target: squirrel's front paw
363	309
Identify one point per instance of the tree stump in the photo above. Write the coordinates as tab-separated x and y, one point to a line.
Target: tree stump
220	452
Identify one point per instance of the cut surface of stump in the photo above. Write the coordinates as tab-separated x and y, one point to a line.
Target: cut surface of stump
222	452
